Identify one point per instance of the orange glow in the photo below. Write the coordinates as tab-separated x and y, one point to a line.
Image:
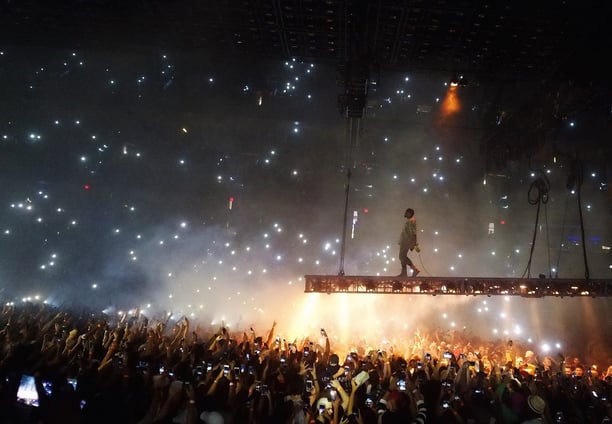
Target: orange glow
450	104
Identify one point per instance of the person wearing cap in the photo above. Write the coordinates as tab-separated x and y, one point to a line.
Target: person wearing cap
408	242
536	411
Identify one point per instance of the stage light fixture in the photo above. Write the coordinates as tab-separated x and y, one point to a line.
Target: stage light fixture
458	81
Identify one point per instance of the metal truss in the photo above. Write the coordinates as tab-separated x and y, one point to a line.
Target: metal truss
509	37
435	286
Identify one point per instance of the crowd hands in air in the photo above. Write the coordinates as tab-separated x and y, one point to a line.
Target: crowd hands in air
89	369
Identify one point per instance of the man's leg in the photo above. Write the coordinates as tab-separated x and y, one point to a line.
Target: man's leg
409	263
403	257
404	272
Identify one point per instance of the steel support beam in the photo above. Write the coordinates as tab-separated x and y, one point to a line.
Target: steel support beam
457	286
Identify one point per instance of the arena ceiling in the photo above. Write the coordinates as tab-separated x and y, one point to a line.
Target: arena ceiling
495	39
562	47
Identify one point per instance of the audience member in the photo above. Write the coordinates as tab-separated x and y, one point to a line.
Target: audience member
61	366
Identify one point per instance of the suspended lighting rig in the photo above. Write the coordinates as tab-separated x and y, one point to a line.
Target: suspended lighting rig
440	286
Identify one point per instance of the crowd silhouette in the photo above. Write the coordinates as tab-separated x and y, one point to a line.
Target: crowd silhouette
66	366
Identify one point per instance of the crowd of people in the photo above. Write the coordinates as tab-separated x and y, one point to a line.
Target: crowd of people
62	366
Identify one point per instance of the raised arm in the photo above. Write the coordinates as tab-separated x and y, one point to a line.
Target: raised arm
270	338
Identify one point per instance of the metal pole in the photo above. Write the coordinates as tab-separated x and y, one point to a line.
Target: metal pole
351	123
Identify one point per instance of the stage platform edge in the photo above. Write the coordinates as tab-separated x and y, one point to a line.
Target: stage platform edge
458	286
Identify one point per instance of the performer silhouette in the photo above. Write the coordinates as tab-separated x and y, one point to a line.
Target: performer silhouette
408	242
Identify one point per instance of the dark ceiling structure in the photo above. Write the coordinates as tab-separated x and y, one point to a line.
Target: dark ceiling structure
505	38
561	46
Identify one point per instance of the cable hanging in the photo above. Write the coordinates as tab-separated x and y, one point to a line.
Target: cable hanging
574	181
536	195
558	264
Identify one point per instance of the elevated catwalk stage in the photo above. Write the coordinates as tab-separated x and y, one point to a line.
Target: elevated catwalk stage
455	286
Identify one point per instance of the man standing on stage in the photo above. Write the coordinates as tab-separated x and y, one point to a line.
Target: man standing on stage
408	241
